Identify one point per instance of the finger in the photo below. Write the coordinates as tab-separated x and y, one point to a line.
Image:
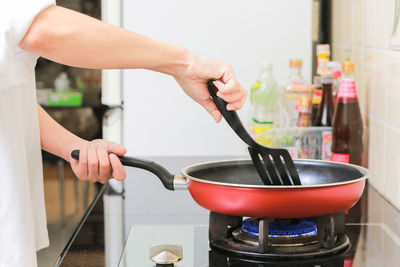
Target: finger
211	108
116	149
231	97
237	104
222	88
104	163
93	164
83	168
118	171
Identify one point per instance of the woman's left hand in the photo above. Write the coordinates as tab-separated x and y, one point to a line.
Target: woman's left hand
98	161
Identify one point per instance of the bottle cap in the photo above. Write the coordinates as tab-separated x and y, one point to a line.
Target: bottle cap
266	65
305	101
296	63
326	78
317	81
348	67
323	49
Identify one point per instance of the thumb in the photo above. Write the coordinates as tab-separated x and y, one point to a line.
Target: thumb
116	149
211	108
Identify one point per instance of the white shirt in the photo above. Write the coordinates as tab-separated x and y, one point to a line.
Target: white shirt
22	212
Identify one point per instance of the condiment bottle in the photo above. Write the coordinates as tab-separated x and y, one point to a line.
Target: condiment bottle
325	110
294	89
323	55
347	129
304	114
316	99
265	100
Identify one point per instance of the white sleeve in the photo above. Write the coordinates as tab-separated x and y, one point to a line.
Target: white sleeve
16	17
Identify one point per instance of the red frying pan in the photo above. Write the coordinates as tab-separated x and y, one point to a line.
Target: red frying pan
234	187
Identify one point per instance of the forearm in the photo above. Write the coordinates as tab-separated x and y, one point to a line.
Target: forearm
54	138
74	39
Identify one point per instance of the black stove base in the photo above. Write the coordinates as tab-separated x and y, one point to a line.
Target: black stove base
228	247
218	259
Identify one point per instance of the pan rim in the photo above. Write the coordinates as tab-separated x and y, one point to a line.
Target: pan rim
185	170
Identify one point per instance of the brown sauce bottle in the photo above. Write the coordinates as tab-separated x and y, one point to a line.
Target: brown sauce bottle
325	111
347	128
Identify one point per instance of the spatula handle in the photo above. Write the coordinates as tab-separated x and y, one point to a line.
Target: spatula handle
230	115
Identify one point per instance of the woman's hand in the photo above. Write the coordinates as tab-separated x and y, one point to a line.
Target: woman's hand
193	80
98	161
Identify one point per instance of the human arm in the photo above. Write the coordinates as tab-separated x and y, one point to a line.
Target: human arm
75	39
97	159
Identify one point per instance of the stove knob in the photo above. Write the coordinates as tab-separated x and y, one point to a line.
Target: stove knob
165	254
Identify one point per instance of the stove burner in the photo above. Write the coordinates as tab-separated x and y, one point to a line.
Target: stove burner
281	233
281	238
279	228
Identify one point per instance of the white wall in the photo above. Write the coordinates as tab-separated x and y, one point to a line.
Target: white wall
159	119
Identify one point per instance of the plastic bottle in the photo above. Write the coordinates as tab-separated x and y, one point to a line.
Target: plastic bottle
265	99
295	89
347	128
62	82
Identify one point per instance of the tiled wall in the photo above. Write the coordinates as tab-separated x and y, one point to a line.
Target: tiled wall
362	30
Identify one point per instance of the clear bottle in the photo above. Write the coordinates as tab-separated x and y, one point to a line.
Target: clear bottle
347	128
265	99
295	89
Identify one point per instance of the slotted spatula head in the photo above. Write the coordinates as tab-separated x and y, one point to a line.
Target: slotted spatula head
274	165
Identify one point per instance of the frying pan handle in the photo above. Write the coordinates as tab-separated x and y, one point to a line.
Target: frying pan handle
168	179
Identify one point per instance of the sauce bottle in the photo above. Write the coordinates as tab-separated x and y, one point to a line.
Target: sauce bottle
304	114
294	89
316	99
325	110
347	126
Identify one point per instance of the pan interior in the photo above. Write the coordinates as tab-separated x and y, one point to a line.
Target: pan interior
242	172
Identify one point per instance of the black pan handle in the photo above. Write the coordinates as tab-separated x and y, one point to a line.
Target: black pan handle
230	116
165	176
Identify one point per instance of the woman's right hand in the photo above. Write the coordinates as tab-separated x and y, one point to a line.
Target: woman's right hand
193	80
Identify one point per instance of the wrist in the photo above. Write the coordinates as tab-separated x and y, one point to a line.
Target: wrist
176	62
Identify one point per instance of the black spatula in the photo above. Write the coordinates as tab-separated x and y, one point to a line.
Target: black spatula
274	165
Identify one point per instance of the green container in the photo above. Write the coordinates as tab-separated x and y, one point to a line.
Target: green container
65	99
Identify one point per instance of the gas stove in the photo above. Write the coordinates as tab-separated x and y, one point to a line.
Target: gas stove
371	228
240	241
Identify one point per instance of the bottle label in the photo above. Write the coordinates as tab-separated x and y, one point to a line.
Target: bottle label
347	89
344	158
322	65
262	133
326	145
